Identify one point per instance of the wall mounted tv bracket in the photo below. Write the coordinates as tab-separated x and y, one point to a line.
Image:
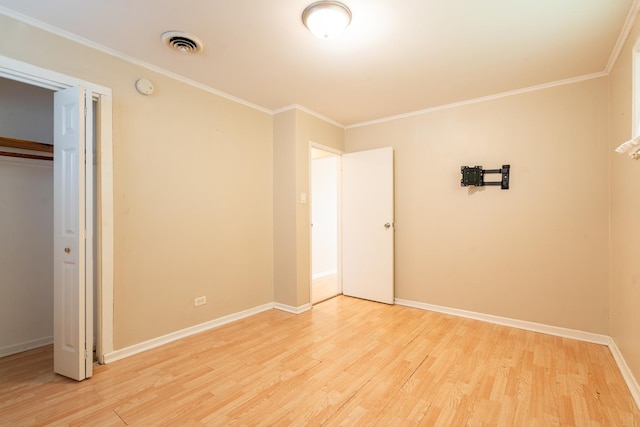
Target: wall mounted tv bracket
475	176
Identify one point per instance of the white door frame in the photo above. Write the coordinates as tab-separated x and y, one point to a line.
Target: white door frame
339	154
36	76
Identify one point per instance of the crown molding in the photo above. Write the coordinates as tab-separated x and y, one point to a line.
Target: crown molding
484	98
624	34
310	112
117	54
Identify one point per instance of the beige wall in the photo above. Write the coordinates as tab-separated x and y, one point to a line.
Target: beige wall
193	191
284	204
537	252
293	131
625	214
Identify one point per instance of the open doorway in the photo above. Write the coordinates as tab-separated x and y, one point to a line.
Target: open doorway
42	78
325	224
26	217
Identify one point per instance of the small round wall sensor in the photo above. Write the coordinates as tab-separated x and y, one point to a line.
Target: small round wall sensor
144	86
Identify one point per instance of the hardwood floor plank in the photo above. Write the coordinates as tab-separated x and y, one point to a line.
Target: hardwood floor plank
345	362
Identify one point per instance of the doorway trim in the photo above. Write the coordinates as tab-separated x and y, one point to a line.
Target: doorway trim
337	153
48	79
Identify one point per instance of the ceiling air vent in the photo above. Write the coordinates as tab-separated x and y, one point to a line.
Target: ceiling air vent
182	42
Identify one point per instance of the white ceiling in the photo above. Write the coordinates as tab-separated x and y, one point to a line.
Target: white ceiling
398	56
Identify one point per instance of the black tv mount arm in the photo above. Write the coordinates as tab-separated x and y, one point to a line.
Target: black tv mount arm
475	176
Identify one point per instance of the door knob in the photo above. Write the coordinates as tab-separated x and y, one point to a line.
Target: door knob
67	250
387	225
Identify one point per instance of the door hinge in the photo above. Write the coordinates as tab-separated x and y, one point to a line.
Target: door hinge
85	111
86	355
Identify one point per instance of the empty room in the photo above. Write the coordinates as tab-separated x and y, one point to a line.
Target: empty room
365	212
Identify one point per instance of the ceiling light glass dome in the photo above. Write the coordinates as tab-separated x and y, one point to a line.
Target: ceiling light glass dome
326	19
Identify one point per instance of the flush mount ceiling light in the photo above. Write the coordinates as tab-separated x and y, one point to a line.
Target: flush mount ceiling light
326	19
182	42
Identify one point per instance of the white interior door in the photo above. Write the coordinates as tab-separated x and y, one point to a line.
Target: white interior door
367	225
71	312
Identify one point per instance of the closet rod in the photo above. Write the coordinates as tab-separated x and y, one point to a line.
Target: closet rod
25	156
25	145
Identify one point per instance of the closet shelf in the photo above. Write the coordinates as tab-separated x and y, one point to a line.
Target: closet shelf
25	145
25	155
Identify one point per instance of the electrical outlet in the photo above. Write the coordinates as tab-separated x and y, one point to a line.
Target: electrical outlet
199	301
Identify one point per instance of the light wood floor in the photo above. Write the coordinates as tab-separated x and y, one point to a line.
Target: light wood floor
345	362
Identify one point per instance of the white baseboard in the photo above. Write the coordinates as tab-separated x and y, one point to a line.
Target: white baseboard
324	274
291	309
8	350
174	336
542	328
514	323
634	388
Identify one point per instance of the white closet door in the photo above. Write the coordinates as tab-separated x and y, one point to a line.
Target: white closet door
70	308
